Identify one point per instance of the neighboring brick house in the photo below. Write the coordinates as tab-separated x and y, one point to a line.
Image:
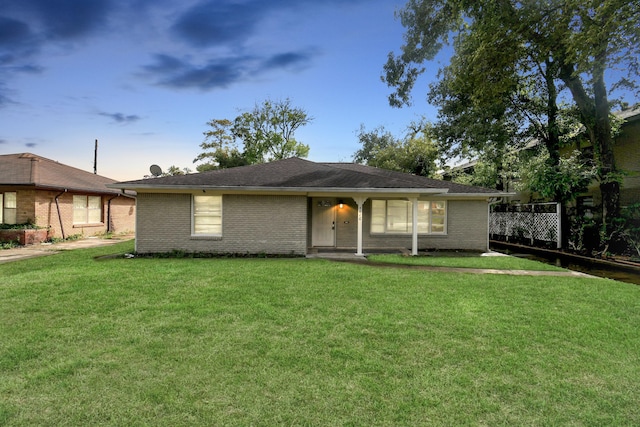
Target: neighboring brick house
66	200
295	206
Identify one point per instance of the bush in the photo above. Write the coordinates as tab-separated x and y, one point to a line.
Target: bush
24	226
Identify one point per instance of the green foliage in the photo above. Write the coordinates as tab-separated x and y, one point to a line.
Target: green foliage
626	231
267	133
220	148
415	154
562	182
175	171
10	245
582	229
29	225
513	60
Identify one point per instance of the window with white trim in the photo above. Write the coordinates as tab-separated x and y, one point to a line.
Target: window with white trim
207	215
87	209
396	217
8	207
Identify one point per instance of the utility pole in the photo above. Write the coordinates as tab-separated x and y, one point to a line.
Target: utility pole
95	159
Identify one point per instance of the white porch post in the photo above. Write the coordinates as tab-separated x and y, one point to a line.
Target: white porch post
414	228
360	202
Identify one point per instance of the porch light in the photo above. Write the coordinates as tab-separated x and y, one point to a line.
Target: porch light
341	203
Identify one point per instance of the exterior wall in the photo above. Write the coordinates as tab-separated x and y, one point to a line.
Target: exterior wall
123	214
25	200
467	223
467	229
250	224
627	154
39	207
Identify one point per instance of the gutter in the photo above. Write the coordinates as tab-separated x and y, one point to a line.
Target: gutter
59	214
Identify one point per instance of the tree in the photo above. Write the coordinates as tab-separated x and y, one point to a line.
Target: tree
505	48
174	170
220	147
415	153
266	132
572	175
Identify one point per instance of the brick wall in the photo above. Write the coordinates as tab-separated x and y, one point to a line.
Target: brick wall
39	207
466	228
250	224
123	214
466	225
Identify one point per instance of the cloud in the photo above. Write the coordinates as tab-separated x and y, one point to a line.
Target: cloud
216	22
172	72
121	118
30	144
3	141
13	31
220	73
28	26
4	95
64	19
288	60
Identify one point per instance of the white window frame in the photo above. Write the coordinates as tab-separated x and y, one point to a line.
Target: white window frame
9	214
215	213
87	211
426	216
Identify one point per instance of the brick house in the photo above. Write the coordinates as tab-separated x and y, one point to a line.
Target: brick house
66	200
296	206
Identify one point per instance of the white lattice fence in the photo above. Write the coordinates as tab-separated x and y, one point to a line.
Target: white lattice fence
526	222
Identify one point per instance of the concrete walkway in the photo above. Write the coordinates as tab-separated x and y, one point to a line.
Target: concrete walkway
45	249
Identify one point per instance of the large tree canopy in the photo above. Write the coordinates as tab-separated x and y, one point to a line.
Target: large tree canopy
266	133
416	153
512	61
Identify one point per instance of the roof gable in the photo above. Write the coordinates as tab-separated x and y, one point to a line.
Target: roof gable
32	170
296	173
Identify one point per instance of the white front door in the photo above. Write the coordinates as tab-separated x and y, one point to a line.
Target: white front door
323	228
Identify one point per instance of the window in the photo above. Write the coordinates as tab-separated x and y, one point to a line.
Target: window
396	217
8	207
207	215
87	209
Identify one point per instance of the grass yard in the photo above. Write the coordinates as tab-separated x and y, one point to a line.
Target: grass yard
170	342
466	261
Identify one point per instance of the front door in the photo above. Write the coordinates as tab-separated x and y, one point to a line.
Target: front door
323	231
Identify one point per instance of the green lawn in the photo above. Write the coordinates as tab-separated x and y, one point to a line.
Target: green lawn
169	342
467	261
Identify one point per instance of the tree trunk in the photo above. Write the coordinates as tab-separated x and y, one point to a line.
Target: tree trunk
595	117
609	185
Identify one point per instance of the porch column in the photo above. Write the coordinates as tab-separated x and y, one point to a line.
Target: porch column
414	228
360	202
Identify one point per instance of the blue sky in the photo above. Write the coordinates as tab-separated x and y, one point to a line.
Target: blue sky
144	76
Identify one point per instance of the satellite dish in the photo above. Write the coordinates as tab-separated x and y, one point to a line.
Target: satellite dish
155	170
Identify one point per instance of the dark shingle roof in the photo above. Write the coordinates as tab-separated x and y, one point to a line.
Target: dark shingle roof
296	173
32	170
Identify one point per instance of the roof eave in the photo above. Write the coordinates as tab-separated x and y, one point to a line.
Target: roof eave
477	195
260	189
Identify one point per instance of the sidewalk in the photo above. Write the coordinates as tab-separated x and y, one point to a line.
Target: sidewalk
44	249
